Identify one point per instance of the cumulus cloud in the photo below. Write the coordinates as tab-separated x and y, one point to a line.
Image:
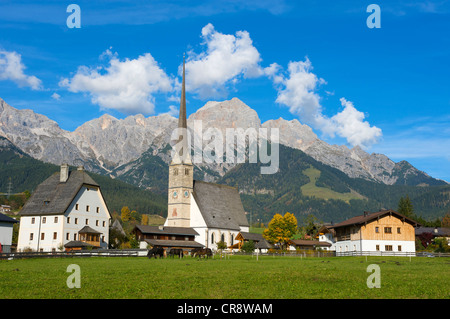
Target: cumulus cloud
298	90
127	86
12	68
349	123
226	59
56	96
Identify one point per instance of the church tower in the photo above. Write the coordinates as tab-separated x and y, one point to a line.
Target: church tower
181	171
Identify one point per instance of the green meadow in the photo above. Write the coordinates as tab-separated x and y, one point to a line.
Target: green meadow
237	277
312	190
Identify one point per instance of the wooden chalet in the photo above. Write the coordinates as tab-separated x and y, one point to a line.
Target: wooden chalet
305	244
260	242
166	237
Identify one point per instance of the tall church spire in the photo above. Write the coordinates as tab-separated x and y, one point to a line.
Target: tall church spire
182	149
182	117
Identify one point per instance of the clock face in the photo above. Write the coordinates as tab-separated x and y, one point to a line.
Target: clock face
175	194
186	194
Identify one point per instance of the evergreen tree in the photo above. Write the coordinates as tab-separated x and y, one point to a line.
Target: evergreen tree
405	207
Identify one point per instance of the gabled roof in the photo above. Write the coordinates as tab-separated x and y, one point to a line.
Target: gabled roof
52	197
184	231
174	243
220	205
7	219
368	217
88	230
249	236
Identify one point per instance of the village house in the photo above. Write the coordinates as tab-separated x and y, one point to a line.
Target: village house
6	233
383	231
261	244
68	211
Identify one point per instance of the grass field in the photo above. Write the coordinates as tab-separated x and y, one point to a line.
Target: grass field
312	190
241	277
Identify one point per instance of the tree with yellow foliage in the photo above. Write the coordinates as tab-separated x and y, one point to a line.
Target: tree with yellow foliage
281	229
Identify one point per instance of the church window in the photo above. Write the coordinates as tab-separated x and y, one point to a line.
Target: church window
186	194
175	194
174	212
175	171
186	171
222	238
232	240
212	238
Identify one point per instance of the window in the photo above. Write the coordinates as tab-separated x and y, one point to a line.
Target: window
96	223
103	224
98	210
87	208
87	221
76	206
33	220
398	230
56	220
399	248
388	248
44	219
55	235
68	220
46	202
31	236
212	238
377	229
67	236
76	221
186	171
388	230
222	238
75	236
175	171
186	238
377	247
42	236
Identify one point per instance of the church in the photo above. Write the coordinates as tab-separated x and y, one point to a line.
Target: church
211	212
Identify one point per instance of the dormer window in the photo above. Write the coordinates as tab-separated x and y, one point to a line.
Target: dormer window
46	202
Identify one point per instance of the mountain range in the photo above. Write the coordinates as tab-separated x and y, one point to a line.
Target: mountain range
137	149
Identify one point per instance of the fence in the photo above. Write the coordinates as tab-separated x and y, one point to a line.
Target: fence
77	253
143	253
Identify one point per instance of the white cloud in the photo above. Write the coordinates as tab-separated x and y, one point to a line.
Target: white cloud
227	59
12	68
298	91
350	124
56	96
128	86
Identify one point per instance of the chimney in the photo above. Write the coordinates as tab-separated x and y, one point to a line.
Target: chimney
64	175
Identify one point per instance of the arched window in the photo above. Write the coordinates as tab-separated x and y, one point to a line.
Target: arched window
222	238
232	240
212	238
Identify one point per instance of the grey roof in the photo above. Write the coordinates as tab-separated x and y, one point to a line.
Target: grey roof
252	236
436	231
174	243
88	230
368	217
76	243
166	230
58	195
263	244
220	205
7	219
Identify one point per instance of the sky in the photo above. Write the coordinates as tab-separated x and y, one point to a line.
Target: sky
358	75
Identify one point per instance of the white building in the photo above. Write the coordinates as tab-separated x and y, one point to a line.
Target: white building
383	231
67	210
6	232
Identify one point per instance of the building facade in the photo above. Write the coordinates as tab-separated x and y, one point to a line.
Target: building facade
383	231
60	208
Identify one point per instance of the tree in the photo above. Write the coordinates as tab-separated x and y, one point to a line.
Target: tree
248	246
446	220
125	214
221	245
144	219
405	207
281	229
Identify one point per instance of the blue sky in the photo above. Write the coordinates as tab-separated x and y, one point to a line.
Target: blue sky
386	88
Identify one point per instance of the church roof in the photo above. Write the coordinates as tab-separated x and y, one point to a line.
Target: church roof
52	197
220	205
166	230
